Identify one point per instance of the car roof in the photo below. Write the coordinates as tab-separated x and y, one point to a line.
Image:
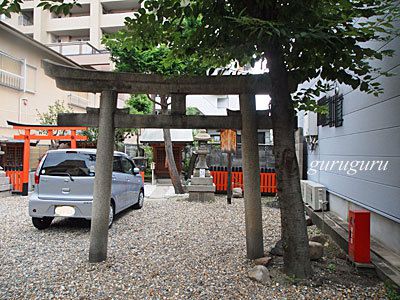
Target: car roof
84	150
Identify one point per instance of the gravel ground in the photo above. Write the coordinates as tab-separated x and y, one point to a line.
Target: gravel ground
171	249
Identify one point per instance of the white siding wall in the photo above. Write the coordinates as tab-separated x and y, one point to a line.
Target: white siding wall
370	131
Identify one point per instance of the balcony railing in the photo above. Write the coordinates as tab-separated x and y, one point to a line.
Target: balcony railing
11	80
75	48
12	71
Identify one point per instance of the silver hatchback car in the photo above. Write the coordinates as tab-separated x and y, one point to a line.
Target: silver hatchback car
64	184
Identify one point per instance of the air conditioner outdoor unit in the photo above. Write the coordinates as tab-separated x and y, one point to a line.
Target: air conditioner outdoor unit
303	185
315	194
310	127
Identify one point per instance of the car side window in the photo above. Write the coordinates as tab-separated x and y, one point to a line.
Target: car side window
127	166
117	166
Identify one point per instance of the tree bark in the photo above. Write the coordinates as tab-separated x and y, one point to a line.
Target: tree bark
169	154
294	230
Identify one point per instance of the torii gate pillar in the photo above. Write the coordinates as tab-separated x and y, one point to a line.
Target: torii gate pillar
103	178
251	177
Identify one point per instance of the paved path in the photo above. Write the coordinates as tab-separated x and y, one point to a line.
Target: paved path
158	191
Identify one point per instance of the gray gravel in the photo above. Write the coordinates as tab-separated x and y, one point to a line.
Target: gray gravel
171	249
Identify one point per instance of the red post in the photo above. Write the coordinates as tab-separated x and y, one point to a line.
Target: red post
25	175
73	139
359	236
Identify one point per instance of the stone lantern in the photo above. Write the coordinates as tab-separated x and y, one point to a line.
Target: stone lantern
202	187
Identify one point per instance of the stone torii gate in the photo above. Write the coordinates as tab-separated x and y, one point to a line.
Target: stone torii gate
108	117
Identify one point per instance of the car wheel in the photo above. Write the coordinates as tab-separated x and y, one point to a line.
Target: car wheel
42	223
139	204
111	215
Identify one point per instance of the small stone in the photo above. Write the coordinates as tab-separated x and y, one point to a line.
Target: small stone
277	250
260	274
262	261
316	250
237	193
321	238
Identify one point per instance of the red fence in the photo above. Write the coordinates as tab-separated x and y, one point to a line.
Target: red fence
220	179
15	180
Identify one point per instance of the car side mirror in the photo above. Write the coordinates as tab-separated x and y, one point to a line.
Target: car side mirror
136	171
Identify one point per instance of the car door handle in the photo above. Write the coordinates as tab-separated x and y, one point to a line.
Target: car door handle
65	190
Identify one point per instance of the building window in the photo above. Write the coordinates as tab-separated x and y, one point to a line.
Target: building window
30	79
222	102
26	18
334	117
11	71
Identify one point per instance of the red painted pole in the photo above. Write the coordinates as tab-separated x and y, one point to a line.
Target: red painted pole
25	175
73	139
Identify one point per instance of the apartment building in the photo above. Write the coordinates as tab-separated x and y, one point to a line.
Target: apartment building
78	34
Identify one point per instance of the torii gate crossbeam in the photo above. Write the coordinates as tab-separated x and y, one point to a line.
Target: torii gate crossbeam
107	118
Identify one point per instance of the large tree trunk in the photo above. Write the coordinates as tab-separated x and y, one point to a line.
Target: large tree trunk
294	229
169	154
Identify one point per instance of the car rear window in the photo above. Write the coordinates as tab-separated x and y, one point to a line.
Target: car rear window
69	164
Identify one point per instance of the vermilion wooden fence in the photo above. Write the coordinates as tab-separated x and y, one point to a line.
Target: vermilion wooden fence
220	179
15	179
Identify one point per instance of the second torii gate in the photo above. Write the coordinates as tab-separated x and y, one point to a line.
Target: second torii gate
108	117
28	136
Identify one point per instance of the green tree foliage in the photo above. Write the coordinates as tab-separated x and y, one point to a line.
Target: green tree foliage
50	116
319	39
139	105
130	56
193	111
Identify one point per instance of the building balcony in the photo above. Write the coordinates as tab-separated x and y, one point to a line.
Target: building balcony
67	24
28	30
114	20
75	48
83	53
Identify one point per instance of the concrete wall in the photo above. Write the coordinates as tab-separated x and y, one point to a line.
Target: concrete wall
370	132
